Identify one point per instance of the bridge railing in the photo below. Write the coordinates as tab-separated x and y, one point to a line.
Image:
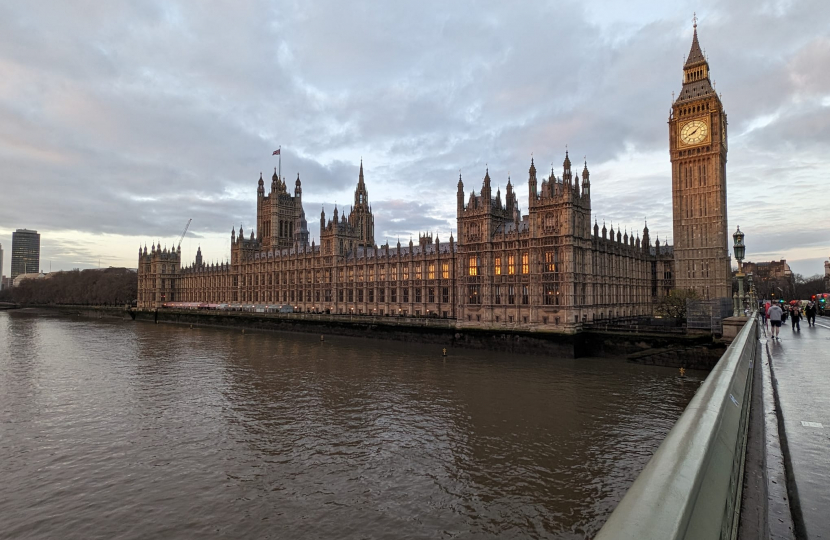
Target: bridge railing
691	487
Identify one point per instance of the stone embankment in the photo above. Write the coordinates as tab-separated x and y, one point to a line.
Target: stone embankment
673	350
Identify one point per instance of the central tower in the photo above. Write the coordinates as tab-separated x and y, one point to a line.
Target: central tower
698	146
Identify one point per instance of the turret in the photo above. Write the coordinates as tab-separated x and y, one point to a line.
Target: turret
298	189
531	182
460	197
486	193
586	182
646	239
199	256
566	169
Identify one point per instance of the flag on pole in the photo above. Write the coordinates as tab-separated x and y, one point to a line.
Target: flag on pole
276	152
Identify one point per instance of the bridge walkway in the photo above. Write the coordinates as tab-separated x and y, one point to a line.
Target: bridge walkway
800	367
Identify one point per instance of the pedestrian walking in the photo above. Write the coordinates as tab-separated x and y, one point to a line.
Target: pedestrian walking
795	318
775	314
810	311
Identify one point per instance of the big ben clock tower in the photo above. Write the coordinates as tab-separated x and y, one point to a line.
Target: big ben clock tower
698	146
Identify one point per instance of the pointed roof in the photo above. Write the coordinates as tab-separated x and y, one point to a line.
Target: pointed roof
698	87
695	54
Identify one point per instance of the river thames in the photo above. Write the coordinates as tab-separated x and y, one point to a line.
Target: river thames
117	429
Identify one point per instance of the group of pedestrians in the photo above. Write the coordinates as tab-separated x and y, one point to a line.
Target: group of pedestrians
777	314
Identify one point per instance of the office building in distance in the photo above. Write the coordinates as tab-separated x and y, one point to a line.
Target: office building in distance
25	252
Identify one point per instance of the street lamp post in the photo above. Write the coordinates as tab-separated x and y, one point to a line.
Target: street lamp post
740	251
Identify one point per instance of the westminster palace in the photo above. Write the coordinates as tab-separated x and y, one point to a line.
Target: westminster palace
554	268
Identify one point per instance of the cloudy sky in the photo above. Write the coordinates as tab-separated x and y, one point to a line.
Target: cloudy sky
119	121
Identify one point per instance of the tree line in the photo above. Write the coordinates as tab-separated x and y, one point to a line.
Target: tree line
111	286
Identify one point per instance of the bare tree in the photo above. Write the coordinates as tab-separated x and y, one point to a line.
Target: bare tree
673	305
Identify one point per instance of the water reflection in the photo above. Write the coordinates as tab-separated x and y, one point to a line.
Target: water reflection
120	428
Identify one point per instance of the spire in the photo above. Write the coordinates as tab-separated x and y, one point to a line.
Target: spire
696	82
532	169
695	54
360	178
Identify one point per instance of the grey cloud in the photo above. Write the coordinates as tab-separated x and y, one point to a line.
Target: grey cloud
130	118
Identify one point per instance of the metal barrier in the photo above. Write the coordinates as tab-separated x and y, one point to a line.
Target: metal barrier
691	488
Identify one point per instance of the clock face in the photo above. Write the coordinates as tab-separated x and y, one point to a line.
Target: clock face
694	132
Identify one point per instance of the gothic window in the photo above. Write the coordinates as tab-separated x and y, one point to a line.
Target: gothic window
511	295
360	295
371	295
431	272
351	295
511	264
418	271
498	266
473	294
549	294
550	265
497	293
382	294
525	263
394	293
549	223
405	271
340	295
445	270
406	294
473	265
417	294
525	295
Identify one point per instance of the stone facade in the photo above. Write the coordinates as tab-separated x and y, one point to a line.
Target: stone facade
553	269
549	269
698	147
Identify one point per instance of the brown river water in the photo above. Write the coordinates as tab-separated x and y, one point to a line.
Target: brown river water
117	429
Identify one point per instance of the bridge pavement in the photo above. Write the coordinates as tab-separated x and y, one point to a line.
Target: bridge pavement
800	365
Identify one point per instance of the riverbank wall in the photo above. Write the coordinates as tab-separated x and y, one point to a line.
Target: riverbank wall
671	350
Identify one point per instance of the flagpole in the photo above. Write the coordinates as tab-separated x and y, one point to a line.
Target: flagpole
280	162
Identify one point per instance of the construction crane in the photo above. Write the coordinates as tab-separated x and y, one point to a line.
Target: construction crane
184	233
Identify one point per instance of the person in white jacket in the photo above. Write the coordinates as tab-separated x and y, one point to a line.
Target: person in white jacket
775	320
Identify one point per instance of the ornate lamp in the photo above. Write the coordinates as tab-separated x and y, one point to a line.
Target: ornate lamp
739	247
740	250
